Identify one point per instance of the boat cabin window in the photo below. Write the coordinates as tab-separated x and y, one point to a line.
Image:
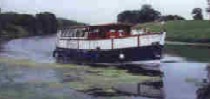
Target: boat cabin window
94	33
112	30
76	34
68	33
80	33
106	32
96	30
121	32
64	33
73	32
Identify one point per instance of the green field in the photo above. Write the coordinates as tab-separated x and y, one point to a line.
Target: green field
186	31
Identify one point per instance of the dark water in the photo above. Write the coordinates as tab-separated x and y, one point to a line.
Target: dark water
182	72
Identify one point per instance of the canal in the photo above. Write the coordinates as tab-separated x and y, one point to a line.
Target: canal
28	71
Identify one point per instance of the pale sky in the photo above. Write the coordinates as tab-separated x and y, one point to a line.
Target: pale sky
100	11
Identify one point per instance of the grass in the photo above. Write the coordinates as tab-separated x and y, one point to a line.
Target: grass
187	31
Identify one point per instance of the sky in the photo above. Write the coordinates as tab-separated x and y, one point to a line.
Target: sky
100	11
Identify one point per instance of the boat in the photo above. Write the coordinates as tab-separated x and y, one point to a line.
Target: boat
108	43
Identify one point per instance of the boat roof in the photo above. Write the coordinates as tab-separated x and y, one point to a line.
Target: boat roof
104	25
112	24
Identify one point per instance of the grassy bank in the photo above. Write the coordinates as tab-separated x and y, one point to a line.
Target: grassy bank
185	31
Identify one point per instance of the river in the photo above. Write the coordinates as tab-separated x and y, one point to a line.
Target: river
183	68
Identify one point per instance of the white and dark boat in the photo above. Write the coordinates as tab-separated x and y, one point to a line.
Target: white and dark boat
108	43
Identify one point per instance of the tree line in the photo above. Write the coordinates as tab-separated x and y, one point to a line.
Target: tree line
149	14
14	25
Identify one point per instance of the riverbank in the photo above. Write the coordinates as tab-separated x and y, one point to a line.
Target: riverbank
198	44
183	31
190	51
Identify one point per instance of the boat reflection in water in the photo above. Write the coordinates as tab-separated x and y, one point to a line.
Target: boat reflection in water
204	91
153	88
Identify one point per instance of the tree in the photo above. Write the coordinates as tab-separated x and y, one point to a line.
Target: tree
46	23
208	11
128	16
27	22
148	14
0	25
145	14
197	14
63	23
14	25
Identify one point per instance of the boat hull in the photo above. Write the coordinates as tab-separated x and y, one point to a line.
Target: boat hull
153	52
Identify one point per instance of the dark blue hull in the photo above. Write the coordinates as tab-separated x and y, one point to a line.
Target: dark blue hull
110	56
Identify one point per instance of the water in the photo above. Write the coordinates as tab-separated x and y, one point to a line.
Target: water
181	79
34	48
182	72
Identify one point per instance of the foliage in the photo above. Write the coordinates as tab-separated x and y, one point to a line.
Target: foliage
145	14
46	23
197	14
172	17
14	25
62	23
187	31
